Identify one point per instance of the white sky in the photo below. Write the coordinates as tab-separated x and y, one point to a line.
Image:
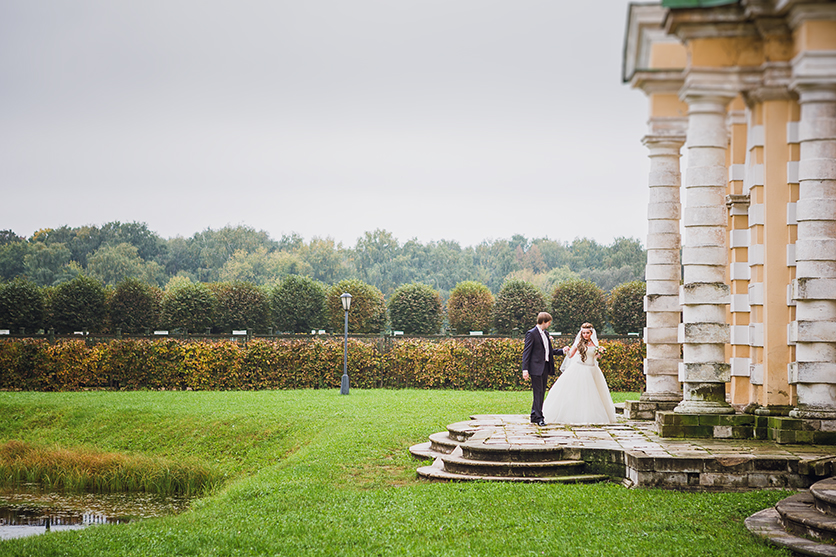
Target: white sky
463	120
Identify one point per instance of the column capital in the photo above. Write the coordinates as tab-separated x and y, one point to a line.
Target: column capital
775	79
666	129
814	72
718	85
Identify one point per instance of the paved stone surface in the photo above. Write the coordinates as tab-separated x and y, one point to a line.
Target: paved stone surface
633	436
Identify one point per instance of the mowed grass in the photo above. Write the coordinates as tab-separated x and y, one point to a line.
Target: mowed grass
317	473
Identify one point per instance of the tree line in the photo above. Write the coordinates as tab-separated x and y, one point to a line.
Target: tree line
116	251
125	277
301	304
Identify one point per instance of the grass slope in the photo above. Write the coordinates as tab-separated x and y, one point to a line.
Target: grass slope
316	473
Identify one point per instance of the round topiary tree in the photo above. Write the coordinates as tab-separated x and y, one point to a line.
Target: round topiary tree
416	309
517	306
470	307
188	306
77	305
135	306
241	306
625	307
298	304
368	309
574	302
21	306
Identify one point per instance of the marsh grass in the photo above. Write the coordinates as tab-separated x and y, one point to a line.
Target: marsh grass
80	470
315	473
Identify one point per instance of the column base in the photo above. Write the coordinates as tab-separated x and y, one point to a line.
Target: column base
675	397
646	410
703	407
813	413
774	410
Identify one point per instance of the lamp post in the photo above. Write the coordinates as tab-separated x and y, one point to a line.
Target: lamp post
346	300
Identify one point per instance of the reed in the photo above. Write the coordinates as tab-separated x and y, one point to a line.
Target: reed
86	470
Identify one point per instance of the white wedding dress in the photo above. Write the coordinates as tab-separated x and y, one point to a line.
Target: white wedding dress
580	395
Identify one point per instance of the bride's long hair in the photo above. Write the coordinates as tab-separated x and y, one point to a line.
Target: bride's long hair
583	343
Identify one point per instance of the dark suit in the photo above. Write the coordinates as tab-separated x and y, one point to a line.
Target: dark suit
534	360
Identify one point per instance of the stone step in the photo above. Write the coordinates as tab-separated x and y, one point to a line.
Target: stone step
461	431
801	518
442	442
437	473
460	465
438	445
512	453
767	524
824	492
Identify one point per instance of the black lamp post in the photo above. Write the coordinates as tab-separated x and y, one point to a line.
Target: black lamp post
346	300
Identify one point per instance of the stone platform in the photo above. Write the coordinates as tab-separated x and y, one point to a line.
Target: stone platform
510	448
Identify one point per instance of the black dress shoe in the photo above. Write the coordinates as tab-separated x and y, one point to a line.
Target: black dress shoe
541	423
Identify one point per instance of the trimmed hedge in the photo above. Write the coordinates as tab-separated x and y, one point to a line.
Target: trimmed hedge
305	363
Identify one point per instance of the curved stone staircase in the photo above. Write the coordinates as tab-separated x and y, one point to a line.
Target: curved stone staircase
460	454
805	522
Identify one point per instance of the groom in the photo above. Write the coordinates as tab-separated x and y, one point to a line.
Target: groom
538	363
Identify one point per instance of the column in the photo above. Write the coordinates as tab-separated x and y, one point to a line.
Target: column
814	289
705	295
664	269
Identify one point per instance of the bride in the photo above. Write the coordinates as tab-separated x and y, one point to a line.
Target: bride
580	395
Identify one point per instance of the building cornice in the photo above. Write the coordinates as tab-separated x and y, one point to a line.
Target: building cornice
658	81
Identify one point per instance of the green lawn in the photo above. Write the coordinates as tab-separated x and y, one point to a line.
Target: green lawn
316	473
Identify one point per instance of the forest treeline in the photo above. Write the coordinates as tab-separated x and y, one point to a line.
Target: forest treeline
116	251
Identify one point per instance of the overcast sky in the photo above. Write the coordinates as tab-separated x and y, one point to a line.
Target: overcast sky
462	120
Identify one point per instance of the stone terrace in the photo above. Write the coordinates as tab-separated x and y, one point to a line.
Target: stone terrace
509	448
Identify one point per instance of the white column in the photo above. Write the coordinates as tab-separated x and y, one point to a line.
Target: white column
705	294
664	268
814	290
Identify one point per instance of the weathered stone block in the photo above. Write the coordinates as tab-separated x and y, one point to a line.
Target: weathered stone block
707	372
814	289
671	431
663	210
736	420
804	437
730	465
722	432
704	255
710	419
689	419
783	436
730	481
764	481
743	432
668	418
698	431
781	422
705	293
770	464
639	462
658	302
706	333
674	464
824	437
812	372
814	249
813	331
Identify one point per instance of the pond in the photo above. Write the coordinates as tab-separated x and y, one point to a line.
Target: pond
31	512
